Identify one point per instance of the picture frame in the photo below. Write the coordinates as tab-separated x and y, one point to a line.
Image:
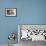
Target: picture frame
37	29
11	12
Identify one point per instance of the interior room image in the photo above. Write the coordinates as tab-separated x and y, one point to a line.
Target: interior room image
22	22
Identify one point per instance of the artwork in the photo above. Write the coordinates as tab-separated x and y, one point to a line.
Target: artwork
33	32
11	37
10	11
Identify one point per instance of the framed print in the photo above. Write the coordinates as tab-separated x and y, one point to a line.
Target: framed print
33	32
10	11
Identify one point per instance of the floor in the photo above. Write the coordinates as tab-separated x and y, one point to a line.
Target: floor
7	45
30	43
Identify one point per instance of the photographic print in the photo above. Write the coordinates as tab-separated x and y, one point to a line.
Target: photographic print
10	11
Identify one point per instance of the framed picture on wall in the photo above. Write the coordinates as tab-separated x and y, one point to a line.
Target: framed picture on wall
10	11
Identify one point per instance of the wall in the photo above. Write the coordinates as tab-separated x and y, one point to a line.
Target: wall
28	12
